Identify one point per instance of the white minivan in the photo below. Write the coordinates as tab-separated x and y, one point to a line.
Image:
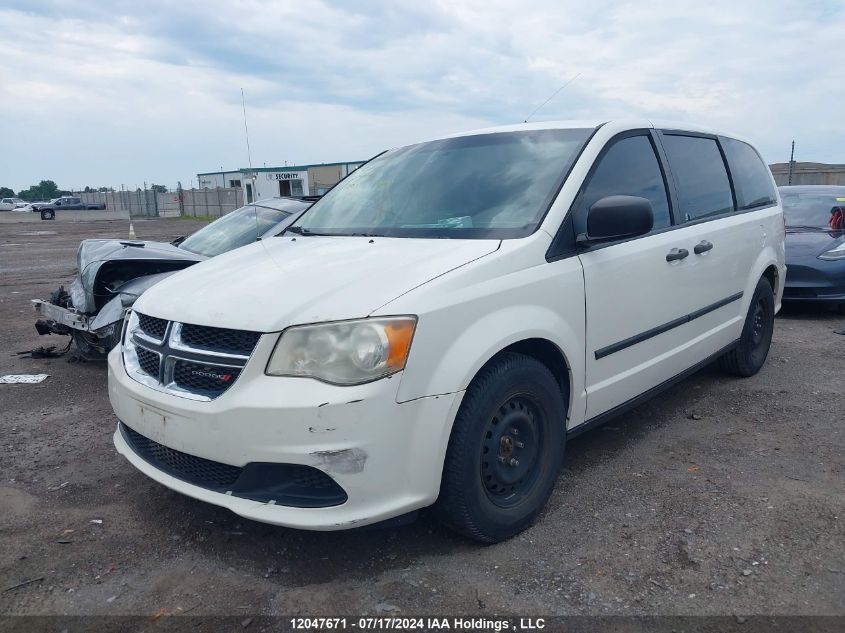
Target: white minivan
433	330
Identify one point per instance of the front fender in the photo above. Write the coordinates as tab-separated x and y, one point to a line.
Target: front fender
454	341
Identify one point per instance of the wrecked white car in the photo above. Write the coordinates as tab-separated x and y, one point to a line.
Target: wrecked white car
112	274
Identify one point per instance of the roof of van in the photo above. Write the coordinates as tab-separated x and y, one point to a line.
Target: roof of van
594	123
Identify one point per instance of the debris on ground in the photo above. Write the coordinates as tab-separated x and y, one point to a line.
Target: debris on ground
45	351
28	379
24	584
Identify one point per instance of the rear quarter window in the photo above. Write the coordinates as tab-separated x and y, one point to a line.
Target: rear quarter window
700	176
752	181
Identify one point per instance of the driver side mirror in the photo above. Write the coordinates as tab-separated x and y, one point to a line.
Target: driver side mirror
619	217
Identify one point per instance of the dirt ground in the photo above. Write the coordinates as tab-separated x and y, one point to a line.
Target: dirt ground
722	496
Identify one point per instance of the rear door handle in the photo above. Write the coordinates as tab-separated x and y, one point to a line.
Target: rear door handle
676	254
702	247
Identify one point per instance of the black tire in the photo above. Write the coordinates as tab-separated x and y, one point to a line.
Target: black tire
90	347
748	357
496	481
48	214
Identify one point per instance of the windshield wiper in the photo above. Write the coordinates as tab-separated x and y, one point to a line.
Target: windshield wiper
300	231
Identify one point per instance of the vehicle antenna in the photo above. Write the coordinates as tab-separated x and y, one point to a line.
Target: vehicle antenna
252	175
246	130
552	97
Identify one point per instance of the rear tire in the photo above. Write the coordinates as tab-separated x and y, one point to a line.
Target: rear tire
748	357
505	450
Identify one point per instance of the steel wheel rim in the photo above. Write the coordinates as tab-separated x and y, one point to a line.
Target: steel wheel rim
511	451
759	321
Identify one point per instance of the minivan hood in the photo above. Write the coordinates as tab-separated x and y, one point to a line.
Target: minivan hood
282	281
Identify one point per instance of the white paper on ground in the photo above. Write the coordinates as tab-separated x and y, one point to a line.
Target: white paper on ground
30	379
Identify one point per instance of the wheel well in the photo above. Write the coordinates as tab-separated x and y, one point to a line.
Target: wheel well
547	353
771	274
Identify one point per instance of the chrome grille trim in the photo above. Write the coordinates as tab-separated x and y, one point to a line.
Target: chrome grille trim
171	350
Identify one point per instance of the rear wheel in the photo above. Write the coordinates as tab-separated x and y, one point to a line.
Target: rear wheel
747	358
505	450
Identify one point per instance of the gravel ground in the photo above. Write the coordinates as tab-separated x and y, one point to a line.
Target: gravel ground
722	496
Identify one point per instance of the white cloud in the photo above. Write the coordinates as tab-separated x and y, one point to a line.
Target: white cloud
109	93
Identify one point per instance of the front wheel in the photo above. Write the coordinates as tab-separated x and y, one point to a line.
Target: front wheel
94	347
747	358
48	214
505	450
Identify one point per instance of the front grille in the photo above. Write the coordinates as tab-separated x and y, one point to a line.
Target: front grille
211	380
219	340
195	470
152	326
189	361
313	478
293	485
148	361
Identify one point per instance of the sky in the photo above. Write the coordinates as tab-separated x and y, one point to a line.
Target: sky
123	92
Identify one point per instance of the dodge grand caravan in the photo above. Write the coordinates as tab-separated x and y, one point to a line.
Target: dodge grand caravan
433	330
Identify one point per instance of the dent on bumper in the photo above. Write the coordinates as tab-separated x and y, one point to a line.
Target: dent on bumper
387	457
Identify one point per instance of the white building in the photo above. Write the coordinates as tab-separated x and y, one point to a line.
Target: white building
268	182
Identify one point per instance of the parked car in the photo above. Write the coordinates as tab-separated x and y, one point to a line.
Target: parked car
10	204
815	244
70	203
112	274
404	345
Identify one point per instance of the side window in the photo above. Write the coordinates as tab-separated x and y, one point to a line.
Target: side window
751	177
628	168
700	176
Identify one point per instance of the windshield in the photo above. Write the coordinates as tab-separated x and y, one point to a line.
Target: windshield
496	185
817	208
238	228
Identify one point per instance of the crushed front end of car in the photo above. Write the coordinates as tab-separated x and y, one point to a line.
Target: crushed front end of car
112	274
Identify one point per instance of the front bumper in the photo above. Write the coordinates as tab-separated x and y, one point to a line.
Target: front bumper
822	281
62	316
386	457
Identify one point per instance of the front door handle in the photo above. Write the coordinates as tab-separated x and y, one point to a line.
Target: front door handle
676	254
702	247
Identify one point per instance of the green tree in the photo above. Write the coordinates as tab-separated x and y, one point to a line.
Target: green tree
158	188
5	192
44	190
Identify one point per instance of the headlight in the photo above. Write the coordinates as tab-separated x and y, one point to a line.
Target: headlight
344	352
834	253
